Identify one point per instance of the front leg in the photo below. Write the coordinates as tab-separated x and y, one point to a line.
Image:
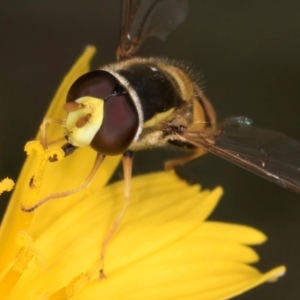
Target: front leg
43	129
127	170
84	185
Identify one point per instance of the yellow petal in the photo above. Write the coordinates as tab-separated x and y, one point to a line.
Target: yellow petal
162	250
232	232
8	237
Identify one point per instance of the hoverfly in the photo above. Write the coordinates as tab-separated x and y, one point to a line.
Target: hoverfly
139	103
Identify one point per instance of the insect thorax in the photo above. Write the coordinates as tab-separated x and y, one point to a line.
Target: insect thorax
165	97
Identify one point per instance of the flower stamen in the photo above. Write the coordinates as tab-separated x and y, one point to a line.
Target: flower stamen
6	185
31	202
25	254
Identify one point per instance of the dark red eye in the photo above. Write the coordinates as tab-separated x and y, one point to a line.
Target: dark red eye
120	118
119	126
97	84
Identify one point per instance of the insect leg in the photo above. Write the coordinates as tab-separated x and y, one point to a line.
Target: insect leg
127	169
43	129
99	159
172	163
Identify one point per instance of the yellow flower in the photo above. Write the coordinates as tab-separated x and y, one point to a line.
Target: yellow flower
164	248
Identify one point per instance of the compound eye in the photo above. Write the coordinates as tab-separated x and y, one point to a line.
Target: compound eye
119	119
119	126
98	84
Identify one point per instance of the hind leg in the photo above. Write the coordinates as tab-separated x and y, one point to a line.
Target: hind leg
181	161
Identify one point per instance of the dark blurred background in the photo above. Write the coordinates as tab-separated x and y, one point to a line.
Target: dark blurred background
249	54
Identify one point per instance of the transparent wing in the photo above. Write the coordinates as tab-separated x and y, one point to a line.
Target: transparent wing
266	153
144	18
